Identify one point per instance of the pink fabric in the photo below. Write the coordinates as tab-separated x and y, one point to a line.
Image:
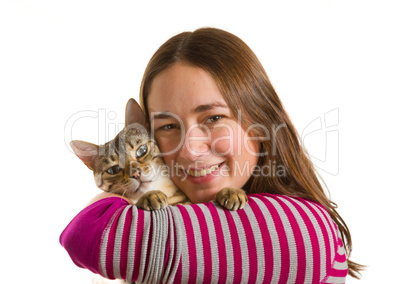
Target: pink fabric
190	243
326	239
266	239
282	240
274	239
220	241
206	244
313	236
251	246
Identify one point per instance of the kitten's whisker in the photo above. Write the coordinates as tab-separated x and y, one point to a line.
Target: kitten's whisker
124	192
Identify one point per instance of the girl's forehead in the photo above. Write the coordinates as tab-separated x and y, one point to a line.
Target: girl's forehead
183	88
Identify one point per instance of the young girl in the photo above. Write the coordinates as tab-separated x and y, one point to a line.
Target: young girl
219	123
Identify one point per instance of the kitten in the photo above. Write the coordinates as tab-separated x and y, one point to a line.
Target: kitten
131	165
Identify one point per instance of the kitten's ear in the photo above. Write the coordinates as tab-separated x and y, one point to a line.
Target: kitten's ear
135	114
87	152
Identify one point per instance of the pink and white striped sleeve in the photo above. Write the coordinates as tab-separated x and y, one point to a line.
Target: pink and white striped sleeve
274	239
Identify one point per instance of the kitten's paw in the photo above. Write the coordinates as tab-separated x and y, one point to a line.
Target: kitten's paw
232	198
153	200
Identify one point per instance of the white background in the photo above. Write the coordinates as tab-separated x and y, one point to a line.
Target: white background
63	59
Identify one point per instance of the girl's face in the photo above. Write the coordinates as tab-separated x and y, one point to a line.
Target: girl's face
202	143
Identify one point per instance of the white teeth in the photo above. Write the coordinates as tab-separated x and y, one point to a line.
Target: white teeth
203	172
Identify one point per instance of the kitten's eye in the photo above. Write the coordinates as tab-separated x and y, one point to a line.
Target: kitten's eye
113	170
142	151
214	118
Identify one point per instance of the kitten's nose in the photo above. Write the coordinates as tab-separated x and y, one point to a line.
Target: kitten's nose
136	173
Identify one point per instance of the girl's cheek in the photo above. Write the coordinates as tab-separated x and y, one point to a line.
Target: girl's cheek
222	147
168	145
167	150
223	141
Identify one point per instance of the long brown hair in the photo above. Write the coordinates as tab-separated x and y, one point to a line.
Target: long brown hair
248	92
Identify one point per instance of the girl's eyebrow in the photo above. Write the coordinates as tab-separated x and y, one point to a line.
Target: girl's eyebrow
202	108
198	109
161	115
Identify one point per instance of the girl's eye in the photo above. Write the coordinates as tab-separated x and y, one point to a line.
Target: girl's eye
113	170
214	118
142	150
168	127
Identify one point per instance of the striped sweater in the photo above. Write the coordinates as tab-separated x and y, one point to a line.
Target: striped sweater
274	239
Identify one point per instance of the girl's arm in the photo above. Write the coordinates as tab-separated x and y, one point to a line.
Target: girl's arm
274	239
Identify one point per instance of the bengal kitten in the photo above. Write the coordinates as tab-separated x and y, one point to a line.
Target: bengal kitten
131	165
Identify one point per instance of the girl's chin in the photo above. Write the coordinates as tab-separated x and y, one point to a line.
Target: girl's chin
199	194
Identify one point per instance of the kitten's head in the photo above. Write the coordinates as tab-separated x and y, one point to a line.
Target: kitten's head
129	163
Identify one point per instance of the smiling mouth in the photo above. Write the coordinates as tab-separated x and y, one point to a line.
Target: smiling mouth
202	172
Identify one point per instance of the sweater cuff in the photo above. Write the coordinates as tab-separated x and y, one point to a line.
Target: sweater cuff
82	236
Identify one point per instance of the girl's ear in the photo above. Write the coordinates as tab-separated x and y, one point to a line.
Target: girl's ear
135	114
87	152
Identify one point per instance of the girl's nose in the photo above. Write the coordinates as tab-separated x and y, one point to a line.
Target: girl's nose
196	143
